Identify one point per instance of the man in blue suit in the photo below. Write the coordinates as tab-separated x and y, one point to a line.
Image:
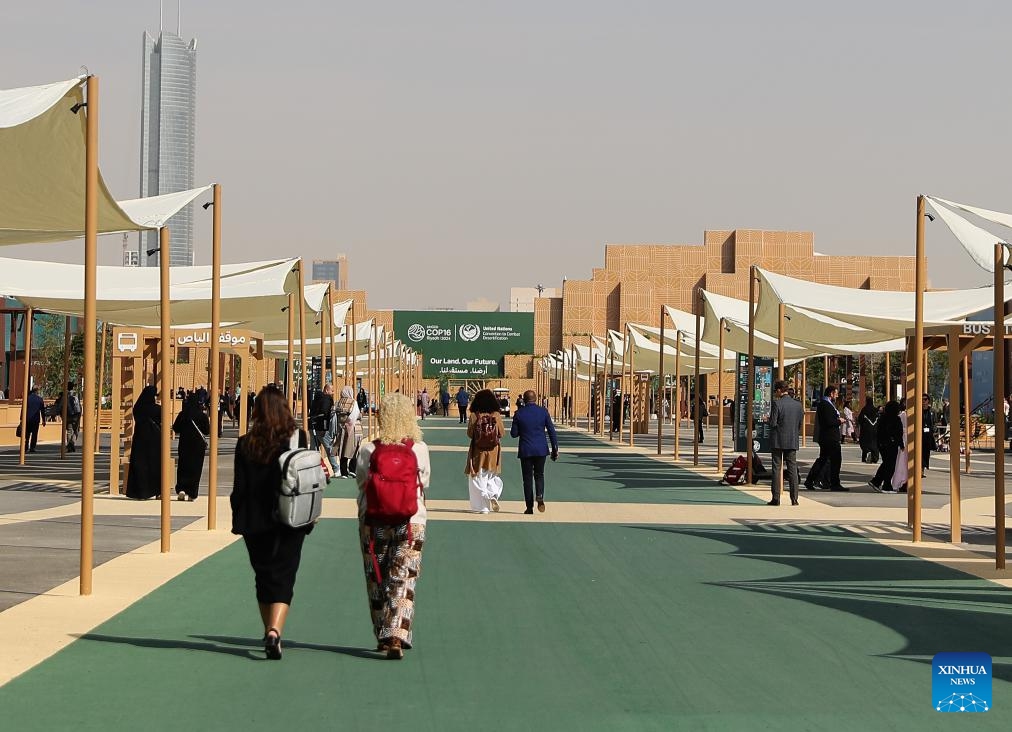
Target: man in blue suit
530	424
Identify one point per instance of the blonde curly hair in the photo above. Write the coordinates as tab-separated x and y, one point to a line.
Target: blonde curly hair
397	420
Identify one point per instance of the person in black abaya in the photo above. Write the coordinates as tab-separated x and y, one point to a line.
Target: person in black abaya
193	428
144	476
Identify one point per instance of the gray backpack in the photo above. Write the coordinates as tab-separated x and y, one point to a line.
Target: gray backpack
300	496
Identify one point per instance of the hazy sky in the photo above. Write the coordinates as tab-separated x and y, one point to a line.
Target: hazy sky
455	149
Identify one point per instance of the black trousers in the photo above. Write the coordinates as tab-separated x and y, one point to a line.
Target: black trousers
884	475
533	471
32	436
463	413
831	451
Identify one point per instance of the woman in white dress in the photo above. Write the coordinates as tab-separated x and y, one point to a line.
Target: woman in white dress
484	454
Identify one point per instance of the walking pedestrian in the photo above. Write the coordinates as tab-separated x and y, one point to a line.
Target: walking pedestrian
462	400
35	415
392	552
144	477
320	414
785	425
531	424
425	402
73	417
867	422
484	454
890	436
349	417
193	428
829	437
444	401
275	550
927	434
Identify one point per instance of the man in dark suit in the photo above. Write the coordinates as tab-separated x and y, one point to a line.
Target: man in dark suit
530	424
785	424
34	415
828	423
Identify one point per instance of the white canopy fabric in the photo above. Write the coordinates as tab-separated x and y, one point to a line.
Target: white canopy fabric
882	314
42	163
252	293
735	317
360	344
978	243
734	314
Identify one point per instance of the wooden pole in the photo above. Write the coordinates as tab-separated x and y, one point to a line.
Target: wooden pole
699	397
888	378
116	426
633	386
966	413
350	344
66	391
804	399
90	332
611	374
919	383
590	377
955	523
660	386
677	406
165	339
750	379
302	345
29	326
290	365
720	397
101	389
781	323
333	335
999	415
214	386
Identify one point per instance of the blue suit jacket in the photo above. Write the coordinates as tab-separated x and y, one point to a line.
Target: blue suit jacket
530	424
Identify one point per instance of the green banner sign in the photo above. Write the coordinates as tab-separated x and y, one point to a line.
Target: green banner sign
464	345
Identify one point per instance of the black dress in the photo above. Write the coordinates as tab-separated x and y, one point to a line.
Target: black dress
867	422
191	426
275	550
144	478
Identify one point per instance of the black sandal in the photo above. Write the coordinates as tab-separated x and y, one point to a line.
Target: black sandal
272	644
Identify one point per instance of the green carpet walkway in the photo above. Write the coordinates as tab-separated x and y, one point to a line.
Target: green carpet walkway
530	625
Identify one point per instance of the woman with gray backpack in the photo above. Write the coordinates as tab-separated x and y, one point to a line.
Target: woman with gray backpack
274	547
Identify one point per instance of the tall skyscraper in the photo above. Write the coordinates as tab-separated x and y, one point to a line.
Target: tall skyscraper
168	136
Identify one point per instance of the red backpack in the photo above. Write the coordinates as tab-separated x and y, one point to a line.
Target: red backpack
486	432
391	486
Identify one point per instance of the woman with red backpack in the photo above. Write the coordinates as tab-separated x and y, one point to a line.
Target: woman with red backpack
484	454
392	477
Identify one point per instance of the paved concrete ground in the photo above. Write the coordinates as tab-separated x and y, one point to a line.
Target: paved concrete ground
647	597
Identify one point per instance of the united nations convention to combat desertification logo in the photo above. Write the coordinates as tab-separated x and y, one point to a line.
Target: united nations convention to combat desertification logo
469	332
961	682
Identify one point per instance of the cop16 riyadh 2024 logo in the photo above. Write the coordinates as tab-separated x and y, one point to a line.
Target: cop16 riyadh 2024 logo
468	332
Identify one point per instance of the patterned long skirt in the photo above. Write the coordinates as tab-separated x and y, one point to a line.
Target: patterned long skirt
386	551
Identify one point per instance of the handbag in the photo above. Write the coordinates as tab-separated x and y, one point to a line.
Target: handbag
202	435
17	432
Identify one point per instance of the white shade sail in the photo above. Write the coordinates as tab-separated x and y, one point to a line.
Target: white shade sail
42	163
252	293
883	314
978	243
